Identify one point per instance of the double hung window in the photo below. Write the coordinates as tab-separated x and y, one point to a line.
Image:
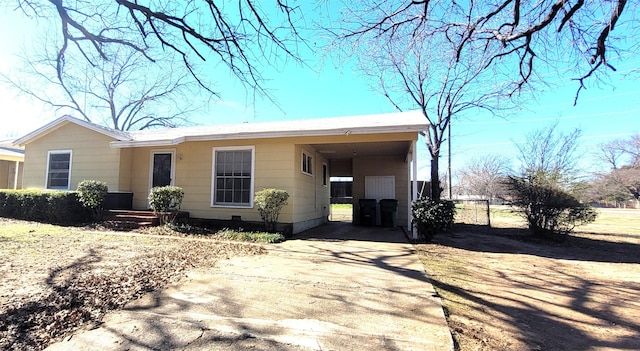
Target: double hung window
233	177
59	170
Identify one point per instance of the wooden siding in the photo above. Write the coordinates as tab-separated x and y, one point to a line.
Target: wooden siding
194	166
4	174
381	166
92	157
277	165
311	197
7	174
124	176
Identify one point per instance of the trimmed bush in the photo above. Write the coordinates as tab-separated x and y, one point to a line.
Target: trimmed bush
164	200
56	207
269	203
550	211
432	217
91	194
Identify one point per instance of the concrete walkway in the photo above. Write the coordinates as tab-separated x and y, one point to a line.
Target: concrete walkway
336	287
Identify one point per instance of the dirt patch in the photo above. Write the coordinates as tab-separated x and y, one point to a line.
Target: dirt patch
58	279
503	290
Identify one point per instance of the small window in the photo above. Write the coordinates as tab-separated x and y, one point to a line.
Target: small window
59	170
307	163
324	174
232	177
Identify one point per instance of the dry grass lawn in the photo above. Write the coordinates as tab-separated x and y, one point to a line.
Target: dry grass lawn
502	290
58	279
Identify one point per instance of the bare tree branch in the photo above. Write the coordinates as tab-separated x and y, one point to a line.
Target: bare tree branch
574	34
415	70
125	93
195	29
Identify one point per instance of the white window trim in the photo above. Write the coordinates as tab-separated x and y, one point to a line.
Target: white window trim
173	164
325	176
49	153
304	162
252	148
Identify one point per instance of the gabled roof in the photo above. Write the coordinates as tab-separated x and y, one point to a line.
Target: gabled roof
412	121
57	123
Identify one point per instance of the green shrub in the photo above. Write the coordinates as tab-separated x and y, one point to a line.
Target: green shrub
269	203
57	207
165	199
91	194
550	211
269	238
432	217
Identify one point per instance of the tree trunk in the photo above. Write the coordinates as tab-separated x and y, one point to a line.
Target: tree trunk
435	178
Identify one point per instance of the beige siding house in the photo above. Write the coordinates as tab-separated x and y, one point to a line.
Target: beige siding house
221	167
11	165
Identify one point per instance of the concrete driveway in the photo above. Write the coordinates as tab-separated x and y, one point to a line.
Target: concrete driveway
335	287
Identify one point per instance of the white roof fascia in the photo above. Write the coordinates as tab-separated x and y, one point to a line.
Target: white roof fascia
146	143
116	134
8	154
304	128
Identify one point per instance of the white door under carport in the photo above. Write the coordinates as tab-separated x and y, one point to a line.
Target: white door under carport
378	188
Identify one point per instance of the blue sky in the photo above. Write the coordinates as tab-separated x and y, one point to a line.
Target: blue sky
322	90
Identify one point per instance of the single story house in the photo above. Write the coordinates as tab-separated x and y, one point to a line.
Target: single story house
11	165
221	167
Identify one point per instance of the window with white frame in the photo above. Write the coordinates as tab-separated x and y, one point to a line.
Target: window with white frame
233	177
307	163
59	170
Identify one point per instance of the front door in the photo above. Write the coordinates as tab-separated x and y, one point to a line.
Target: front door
162	168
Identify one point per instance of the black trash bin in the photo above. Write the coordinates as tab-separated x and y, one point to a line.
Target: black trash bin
389	213
367	212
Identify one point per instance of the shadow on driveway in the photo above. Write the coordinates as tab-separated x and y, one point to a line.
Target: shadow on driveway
335	287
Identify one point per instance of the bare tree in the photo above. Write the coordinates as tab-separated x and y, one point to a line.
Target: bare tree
241	37
484	175
566	35
127	92
549	155
413	69
541	190
623	155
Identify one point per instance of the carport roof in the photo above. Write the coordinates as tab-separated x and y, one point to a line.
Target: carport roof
10	153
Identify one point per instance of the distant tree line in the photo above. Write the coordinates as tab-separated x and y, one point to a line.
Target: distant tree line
619	186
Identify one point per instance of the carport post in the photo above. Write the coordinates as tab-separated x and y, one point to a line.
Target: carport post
413	187
15	175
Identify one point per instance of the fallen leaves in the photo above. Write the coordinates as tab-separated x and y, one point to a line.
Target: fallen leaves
101	278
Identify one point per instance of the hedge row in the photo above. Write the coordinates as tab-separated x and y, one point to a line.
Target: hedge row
58	207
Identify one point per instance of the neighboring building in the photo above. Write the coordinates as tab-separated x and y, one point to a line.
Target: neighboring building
221	167
11	163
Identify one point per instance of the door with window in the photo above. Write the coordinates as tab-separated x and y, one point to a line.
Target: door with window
162	168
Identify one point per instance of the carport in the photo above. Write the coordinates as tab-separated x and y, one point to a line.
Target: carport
381	162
